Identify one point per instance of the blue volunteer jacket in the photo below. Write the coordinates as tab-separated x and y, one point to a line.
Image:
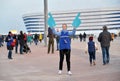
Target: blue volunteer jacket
91	46
65	40
9	40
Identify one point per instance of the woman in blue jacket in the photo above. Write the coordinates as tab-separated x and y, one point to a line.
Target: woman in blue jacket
9	40
64	46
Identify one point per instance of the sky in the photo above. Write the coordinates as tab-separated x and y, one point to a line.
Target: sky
11	11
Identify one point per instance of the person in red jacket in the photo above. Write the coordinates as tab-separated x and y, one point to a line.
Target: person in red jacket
25	37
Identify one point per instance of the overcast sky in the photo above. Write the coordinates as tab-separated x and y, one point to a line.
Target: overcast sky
11	11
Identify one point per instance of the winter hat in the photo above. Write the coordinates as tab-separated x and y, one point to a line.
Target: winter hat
90	38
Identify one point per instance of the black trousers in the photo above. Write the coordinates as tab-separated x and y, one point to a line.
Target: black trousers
62	53
92	56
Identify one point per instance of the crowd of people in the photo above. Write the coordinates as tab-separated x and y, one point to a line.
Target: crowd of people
22	40
63	44
63	40
82	37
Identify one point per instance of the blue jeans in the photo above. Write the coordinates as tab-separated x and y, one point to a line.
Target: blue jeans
10	54
16	48
36	41
105	53
57	45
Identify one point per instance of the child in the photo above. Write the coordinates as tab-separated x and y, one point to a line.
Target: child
91	50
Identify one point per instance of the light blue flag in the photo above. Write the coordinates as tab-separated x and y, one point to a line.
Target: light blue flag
51	21
76	21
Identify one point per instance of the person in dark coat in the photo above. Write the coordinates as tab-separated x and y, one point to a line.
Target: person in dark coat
9	40
104	38
51	40
57	40
84	36
36	39
80	36
21	41
17	43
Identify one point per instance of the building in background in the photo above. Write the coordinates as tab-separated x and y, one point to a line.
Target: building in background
92	20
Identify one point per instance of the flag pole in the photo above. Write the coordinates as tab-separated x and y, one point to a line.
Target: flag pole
45	21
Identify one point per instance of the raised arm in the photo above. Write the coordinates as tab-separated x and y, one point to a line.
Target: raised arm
72	32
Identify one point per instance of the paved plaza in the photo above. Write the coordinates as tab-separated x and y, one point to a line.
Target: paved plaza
40	66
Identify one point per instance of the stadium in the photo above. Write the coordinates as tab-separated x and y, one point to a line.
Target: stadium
92	20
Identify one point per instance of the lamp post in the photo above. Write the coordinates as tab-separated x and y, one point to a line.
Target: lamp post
45	21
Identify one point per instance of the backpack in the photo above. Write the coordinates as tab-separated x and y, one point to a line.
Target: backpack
13	43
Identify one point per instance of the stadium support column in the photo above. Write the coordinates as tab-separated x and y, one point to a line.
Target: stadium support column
45	21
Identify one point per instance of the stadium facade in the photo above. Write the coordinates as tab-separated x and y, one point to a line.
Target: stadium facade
92	20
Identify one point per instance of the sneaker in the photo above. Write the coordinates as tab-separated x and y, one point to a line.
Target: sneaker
59	72
69	73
